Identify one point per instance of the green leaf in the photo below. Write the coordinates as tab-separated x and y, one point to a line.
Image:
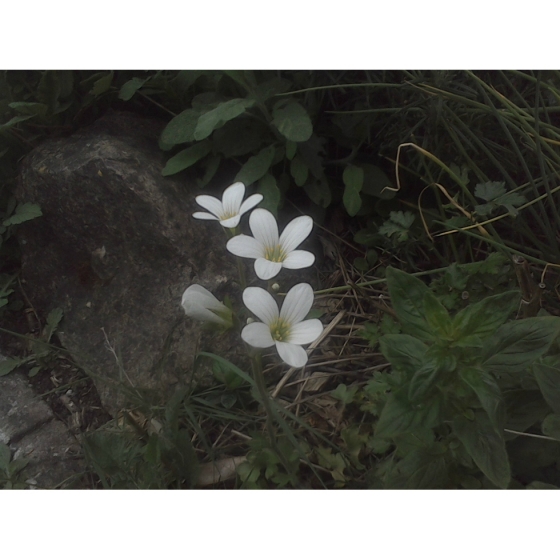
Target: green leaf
319	192
488	392
271	193
39	109
299	171
486	446
185	158
292	121
516	345
398	225
256	166
484	317
13	121
405	352
131	87
53	320
548	378
424	380
217	117
400	416
291	148
271	87
490	190
551	426
353	178
436	315
24	212
376	182
418	470
240	137
344	394
407	298
180	129
9	364
102	85
210	166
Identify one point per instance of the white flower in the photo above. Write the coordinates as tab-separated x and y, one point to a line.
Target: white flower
270	251
287	329
200	304
229	210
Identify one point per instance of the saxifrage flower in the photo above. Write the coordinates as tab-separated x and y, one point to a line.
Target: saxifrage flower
286	329
228	210
201	304
271	251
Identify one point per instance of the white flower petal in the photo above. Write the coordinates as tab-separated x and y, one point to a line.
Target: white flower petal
264	227
257	335
204	216
213	205
199	303
266	270
251	202
295	232
230	223
232	198
245	246
306	331
292	354
261	303
299	259
297	304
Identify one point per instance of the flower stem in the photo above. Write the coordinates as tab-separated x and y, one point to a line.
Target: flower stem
259	382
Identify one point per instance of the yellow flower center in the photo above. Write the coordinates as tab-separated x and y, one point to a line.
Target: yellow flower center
275	254
280	330
227	215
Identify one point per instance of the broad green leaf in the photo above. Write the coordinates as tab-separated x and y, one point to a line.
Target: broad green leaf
367	237
353	178
486	446
185	158
548	378
9	364
400	416
292	121
240	137
131	87
484	317
490	190
271	193
103	84
376	182
53	319
180	129
524	409
551	426
299	171
407	298
418	470
217	117
29	108
488	392
423	381
319	192
271	87
398	225
516	345
256	166
24	212
405	352
344	394
291	148
436	315
13	121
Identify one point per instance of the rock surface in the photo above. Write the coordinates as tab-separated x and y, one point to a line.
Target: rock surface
115	249
28	427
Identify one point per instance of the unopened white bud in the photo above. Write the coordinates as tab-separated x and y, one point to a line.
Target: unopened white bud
275	287
250	320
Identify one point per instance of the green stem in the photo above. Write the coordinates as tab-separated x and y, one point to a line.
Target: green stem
259	382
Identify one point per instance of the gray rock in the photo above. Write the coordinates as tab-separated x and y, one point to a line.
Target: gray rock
115	249
28	426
